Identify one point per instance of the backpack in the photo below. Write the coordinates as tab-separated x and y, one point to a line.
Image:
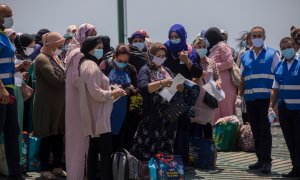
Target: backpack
125	166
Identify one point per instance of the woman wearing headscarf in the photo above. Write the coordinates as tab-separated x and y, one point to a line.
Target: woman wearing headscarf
182	58
39	43
221	53
155	133
11	34
49	104
24	47
96	102
204	115
76	142
121	73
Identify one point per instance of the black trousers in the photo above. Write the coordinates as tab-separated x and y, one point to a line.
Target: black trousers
290	125
10	127
102	145
182	138
261	128
52	144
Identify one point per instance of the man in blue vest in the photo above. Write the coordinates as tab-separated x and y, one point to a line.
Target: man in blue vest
257	75
8	107
286	90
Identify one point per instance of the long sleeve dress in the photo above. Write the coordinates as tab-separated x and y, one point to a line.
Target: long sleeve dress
76	143
222	55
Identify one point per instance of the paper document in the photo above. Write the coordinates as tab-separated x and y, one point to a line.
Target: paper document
211	88
168	92
115	87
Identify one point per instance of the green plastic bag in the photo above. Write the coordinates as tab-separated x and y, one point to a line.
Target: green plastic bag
224	135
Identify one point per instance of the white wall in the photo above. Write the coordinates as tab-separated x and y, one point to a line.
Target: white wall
156	16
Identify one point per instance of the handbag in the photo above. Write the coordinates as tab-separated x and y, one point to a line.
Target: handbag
235	74
175	110
209	100
27	91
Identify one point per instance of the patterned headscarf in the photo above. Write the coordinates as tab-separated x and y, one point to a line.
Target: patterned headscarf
83	32
9	32
71	28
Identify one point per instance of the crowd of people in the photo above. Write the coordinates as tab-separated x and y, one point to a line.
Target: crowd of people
87	100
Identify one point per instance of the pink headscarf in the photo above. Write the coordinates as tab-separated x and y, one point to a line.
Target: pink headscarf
83	32
9	32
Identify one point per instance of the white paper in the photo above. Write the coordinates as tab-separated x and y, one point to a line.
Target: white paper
211	88
168	92
115	87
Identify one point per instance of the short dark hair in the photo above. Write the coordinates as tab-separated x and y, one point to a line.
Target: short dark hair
287	39
122	49
258	27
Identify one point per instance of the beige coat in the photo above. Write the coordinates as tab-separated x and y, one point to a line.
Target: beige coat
95	99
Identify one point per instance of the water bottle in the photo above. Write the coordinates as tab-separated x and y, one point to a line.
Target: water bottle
271	116
239	114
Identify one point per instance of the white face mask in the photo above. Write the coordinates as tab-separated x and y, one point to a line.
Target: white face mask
57	52
8	22
158	61
28	51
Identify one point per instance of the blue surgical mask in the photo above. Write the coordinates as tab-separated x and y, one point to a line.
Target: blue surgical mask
98	53
139	45
258	42
121	65
176	41
288	53
201	52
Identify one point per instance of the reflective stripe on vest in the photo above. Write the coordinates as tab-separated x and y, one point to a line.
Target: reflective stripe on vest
259	76
5	60
6	75
289	87
257	90
292	101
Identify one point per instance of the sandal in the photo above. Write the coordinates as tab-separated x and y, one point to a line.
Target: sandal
59	172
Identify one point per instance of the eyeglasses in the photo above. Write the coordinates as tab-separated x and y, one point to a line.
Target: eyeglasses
254	36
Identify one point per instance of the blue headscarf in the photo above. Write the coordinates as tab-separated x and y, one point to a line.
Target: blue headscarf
182	46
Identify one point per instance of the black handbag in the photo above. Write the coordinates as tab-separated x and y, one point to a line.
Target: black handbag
209	100
175	110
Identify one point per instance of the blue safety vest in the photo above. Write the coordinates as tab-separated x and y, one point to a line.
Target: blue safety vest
257	74
7	66
289	84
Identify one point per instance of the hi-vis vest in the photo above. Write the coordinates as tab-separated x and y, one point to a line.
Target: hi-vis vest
257	74
289	84
7	66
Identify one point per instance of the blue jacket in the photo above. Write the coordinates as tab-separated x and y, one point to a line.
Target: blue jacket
7	66
289	84
257	74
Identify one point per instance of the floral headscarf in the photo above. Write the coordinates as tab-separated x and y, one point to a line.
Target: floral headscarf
83	32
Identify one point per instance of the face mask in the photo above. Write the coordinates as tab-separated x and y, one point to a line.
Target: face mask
158	61
175	41
201	52
28	51
121	65
98	53
8	22
244	43
258	42
139	45
57	52
288	53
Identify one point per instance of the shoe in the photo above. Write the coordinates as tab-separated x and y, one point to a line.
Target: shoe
256	166
59	172
266	168
48	175
291	174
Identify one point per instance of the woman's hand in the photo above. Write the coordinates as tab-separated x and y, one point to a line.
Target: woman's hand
180	88
219	84
25	76
183	56
4	96
118	93
166	82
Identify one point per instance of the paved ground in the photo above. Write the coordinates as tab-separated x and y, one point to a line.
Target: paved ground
233	165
